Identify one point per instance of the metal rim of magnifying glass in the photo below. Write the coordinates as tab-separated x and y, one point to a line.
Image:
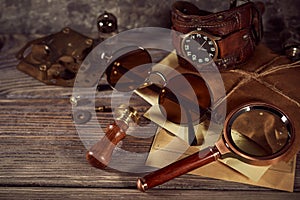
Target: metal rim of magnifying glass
121	54
258	160
203	110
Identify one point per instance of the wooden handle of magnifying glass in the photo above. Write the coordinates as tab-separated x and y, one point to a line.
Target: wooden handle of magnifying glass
178	168
100	154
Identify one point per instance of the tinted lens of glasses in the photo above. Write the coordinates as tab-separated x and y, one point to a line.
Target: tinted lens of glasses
184	99
260	132
129	70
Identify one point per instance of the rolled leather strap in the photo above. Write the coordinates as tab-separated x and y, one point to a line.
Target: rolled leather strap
239	29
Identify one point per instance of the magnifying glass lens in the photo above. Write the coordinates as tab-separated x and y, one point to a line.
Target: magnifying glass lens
259	132
129	70
184	98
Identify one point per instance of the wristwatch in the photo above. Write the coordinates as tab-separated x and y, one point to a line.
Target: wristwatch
227	38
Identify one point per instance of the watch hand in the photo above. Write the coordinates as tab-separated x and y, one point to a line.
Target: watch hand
202	49
202	45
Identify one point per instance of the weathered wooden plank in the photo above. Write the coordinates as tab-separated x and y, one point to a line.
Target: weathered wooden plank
40	147
119	193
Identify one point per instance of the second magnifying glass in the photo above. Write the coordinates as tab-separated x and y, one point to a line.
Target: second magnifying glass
184	99
256	133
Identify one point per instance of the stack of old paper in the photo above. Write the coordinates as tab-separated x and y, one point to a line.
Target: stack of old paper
170	144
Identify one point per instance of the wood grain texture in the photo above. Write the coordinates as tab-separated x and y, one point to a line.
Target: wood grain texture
42	156
108	193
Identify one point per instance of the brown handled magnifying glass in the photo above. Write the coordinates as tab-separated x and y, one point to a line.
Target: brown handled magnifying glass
128	72
256	133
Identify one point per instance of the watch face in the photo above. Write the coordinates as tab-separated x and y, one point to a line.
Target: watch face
199	48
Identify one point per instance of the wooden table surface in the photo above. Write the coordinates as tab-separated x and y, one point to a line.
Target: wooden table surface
42	156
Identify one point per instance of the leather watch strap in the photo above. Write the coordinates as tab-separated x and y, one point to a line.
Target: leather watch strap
236	48
239	29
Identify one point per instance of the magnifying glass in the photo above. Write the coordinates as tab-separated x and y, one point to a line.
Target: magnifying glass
256	133
129	69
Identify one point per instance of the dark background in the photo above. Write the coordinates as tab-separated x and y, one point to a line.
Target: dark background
281	18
